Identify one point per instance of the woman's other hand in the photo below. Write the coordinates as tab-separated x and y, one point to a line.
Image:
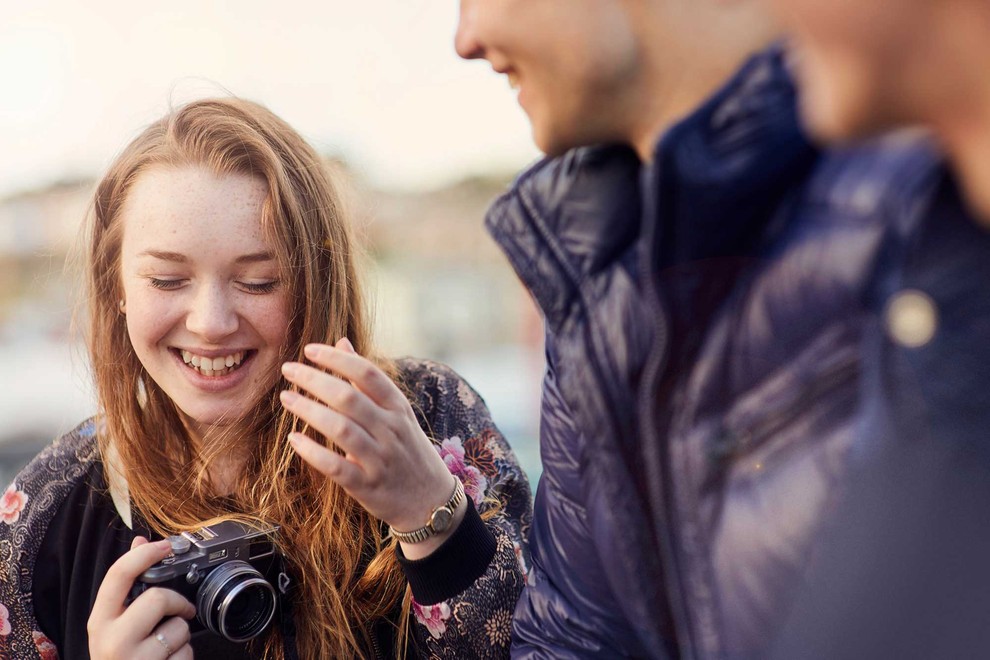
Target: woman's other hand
153	626
389	465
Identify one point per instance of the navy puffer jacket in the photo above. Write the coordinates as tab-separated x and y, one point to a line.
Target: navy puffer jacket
703	322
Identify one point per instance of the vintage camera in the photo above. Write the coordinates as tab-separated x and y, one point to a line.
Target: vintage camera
227	571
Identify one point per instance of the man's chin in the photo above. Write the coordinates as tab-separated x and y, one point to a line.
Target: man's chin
550	144
829	120
554	142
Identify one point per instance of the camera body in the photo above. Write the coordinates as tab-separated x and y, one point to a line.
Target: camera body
227	571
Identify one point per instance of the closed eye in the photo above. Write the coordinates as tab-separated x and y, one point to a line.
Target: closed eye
165	284
260	287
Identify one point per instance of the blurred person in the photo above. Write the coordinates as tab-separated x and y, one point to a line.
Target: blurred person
237	380
904	574
879	64
702	270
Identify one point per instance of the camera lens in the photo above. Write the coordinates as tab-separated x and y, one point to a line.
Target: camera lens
235	601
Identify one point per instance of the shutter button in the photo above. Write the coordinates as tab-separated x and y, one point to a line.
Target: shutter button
180	544
911	318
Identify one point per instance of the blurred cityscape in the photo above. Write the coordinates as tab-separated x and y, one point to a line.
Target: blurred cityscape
441	288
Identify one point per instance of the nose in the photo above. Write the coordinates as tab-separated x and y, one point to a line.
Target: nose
212	314
466	41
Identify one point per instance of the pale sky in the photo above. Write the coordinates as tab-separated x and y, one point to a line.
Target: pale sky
374	80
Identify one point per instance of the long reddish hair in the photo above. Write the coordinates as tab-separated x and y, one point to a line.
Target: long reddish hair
346	572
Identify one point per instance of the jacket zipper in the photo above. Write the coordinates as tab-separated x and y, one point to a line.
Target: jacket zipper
376	649
656	362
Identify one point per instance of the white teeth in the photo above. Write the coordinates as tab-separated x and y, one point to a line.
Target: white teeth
513	80
220	366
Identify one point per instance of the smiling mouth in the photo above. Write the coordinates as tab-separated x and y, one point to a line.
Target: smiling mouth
214	367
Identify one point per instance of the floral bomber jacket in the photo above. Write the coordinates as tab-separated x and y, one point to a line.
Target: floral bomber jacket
473	623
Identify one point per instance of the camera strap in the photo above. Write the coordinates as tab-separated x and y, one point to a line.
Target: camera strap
286	620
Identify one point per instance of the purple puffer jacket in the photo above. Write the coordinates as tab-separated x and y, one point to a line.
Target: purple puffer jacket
704	317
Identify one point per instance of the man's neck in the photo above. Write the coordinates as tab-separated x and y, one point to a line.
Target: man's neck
688	54
691	88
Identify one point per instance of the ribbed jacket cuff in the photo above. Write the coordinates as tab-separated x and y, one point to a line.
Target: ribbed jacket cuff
455	565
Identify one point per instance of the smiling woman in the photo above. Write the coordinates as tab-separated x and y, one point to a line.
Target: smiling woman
201	288
243	410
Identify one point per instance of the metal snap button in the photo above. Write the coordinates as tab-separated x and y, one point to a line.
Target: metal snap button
911	318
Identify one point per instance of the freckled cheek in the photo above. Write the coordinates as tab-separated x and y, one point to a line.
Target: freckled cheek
270	319
150	319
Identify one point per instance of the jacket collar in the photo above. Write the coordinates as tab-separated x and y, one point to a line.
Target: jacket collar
714	175
718	175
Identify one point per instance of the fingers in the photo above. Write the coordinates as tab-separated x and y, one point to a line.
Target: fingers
122	574
154	605
362	373
174	642
185	653
116	631
342	430
338	394
330	463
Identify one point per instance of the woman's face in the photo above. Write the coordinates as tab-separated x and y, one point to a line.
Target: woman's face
207	312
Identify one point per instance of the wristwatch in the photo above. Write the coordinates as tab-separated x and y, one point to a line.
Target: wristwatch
439	521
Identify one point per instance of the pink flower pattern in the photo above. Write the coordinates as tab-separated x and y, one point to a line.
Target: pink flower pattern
475	483
4	620
46	648
433	617
11	504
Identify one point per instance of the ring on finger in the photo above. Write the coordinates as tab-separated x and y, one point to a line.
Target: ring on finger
164	642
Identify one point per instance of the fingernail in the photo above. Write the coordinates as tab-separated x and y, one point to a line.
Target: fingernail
313	351
163	545
288	398
290	369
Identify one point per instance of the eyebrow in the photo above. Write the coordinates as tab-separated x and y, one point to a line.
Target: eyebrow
177	257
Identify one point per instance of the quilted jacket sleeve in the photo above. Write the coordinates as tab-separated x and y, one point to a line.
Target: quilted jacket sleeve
567	609
464	594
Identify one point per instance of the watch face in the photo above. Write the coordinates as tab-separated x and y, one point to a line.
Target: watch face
441	520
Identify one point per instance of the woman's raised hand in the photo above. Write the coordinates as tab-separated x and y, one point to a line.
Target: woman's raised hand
389	465
153	626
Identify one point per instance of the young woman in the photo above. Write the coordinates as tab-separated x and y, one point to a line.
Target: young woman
236	380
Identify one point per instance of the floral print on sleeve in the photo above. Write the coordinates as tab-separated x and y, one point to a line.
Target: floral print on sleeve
46	649
11	504
475	483
476	623
26	508
434	617
4	620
